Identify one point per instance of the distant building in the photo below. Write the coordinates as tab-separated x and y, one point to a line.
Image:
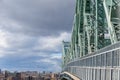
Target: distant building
2	77
44	72
6	74
18	76
10	78
0	71
28	75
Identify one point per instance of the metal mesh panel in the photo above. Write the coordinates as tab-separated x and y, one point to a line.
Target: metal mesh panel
100	66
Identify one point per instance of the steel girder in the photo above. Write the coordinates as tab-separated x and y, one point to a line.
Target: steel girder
66	56
96	25
112	11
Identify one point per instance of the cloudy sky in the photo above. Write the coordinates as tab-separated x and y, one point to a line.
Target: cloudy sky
31	33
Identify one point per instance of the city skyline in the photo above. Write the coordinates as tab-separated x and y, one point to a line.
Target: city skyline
31	33
29	75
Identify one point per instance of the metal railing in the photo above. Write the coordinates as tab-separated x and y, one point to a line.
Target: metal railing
101	65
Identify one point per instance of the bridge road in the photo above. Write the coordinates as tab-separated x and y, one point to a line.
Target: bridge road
71	76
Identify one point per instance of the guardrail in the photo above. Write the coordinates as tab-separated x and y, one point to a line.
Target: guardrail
101	65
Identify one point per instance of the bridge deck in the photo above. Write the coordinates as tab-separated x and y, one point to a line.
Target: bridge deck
72	76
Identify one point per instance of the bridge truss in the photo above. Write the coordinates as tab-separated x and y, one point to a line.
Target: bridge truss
96	25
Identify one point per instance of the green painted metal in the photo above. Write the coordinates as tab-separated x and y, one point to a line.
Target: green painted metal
96	25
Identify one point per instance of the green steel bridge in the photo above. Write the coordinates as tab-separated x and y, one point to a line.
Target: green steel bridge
94	50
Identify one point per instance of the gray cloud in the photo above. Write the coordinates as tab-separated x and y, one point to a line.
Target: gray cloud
31	32
19	51
40	17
